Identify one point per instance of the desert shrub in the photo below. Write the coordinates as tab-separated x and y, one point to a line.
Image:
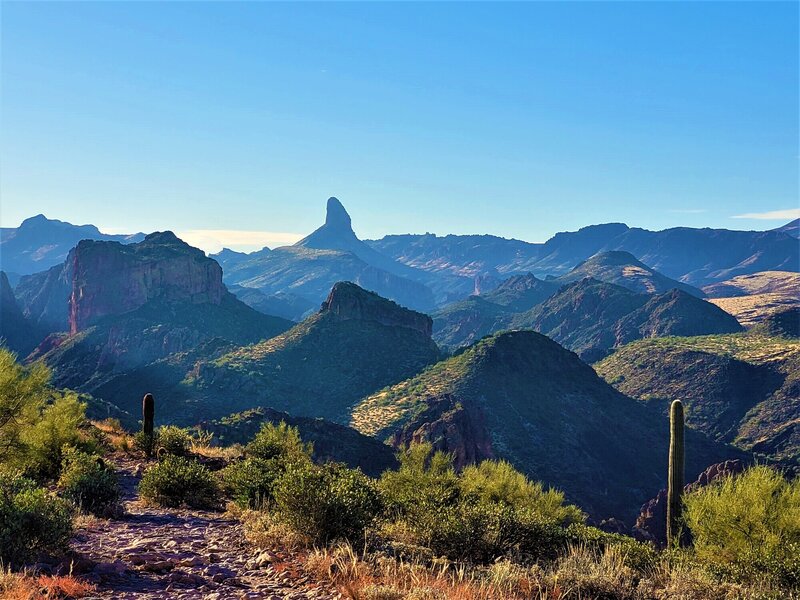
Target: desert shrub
423	481
31	521
23	393
36	422
327	502
251	482
57	428
176	481
488	511
636	555
278	441
499	482
174	440
87	483
747	527
145	442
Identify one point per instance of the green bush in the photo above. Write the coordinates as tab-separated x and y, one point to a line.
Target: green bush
24	391
36	422
327	502
278	441
174	440
57	428
489	510
145	443
88	484
499	482
31	521
251	482
747	527
176	481
423	482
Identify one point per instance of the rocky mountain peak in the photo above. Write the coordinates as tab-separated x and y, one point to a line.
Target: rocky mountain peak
336	215
347	301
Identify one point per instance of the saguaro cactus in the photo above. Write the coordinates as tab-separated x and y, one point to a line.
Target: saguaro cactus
676	473
148	413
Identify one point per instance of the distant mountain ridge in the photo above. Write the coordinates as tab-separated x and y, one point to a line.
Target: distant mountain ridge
694	256
40	243
601	302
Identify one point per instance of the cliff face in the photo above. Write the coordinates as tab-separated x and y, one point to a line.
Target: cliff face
347	301
109	278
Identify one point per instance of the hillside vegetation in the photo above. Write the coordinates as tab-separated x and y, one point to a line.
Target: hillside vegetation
740	388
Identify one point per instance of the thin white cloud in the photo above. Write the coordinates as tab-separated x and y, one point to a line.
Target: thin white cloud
774	215
214	240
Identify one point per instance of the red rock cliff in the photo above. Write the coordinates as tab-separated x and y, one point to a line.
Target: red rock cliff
110	278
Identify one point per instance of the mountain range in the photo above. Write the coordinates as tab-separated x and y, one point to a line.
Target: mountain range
329	334
605	301
425	272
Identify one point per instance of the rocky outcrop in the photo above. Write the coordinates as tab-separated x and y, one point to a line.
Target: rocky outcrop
449	426
652	521
109	278
347	301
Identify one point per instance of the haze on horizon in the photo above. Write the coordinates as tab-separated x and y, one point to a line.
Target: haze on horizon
237	121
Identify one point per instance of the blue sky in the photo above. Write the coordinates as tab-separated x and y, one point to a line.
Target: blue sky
233	122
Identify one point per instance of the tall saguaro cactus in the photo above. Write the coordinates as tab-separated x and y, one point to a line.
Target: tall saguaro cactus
676	473
148	413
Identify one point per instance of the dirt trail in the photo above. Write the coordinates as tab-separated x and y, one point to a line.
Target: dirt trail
154	552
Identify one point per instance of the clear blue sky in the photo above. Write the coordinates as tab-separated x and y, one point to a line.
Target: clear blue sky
513	119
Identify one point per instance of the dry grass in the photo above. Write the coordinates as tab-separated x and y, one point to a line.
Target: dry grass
749	310
263	531
24	586
226	453
582	574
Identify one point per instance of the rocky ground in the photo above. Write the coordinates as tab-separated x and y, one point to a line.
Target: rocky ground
152	552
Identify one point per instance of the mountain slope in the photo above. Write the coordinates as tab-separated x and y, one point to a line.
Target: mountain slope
40	243
16	332
357	343
741	388
752	298
590	317
622	268
522	397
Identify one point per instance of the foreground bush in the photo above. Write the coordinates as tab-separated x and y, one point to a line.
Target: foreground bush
173	440
176	481
31	522
88	484
36	422
488	511
251	482
747	527
327	502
